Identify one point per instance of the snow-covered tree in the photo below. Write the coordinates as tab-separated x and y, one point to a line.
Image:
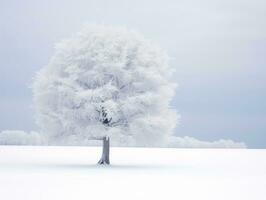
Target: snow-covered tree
106	83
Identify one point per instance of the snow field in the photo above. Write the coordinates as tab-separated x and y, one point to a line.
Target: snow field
71	173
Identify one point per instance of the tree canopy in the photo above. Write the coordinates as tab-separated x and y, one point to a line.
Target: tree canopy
106	81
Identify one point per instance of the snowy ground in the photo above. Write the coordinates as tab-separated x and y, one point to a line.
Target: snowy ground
62	173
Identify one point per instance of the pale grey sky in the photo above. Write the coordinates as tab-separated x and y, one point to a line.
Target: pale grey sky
217	46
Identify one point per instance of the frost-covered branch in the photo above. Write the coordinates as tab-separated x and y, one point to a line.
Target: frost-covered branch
106	81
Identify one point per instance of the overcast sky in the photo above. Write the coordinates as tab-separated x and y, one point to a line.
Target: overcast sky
217	46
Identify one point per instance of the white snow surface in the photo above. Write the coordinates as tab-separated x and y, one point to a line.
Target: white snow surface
70	173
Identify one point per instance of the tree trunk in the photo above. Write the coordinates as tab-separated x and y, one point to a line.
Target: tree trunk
106	150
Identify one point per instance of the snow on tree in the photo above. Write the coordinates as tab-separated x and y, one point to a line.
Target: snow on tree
106	83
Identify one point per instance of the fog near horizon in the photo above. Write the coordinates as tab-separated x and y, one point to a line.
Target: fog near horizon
218	48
